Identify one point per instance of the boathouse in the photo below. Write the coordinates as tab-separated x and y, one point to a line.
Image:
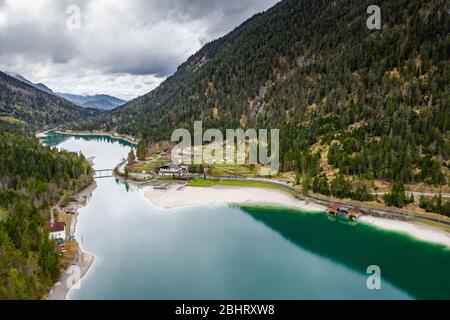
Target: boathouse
354	213
334	208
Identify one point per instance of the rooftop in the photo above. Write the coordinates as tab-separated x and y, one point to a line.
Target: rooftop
57	226
170	166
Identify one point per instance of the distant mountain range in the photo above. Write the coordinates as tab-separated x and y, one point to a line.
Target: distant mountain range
99	101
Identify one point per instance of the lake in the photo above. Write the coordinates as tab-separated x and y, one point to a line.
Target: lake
237	252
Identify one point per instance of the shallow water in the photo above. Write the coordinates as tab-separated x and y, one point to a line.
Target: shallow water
237	252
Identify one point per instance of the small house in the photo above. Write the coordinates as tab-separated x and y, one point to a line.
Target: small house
57	231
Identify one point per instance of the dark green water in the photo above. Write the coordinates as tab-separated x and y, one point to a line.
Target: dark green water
237	252
419	268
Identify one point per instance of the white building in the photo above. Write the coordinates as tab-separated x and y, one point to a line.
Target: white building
57	231
173	170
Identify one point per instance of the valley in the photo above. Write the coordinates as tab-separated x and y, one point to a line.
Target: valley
276	154
362	113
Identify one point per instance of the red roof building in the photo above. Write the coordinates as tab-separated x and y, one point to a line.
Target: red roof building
334	208
57	226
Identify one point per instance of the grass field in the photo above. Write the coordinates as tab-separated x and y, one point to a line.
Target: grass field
152	164
70	255
232	170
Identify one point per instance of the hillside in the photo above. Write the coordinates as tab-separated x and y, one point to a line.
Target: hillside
102	104
370	104
39	86
24	104
99	101
32	179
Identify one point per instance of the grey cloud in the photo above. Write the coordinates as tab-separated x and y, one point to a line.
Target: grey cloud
157	66
218	16
35	46
135	37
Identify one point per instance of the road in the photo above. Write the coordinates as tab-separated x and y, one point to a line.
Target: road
137	176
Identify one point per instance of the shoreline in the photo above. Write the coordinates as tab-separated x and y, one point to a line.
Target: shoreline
83	260
416	230
175	197
98	133
184	197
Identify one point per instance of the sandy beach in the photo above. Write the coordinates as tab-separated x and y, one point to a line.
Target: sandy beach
416	230
83	261
62	287
197	196
41	134
176	197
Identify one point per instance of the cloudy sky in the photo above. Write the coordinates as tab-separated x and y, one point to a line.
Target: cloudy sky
123	48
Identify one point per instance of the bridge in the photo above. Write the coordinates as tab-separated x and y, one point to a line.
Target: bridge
103	173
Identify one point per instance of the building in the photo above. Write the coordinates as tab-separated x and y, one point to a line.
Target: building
57	231
344	210
173	170
354	213
350	212
334	208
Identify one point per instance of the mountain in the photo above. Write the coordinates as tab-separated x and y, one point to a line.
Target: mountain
39	86
99	104
100	101
32	179
366	104
22	103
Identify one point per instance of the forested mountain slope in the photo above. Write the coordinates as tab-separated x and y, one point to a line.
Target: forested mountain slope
99	101
368	103
24	104
32	179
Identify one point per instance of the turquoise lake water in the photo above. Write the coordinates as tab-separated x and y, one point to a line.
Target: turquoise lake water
237	252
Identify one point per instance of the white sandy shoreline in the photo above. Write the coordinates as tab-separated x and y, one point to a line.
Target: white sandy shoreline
201	196
416	230
84	259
